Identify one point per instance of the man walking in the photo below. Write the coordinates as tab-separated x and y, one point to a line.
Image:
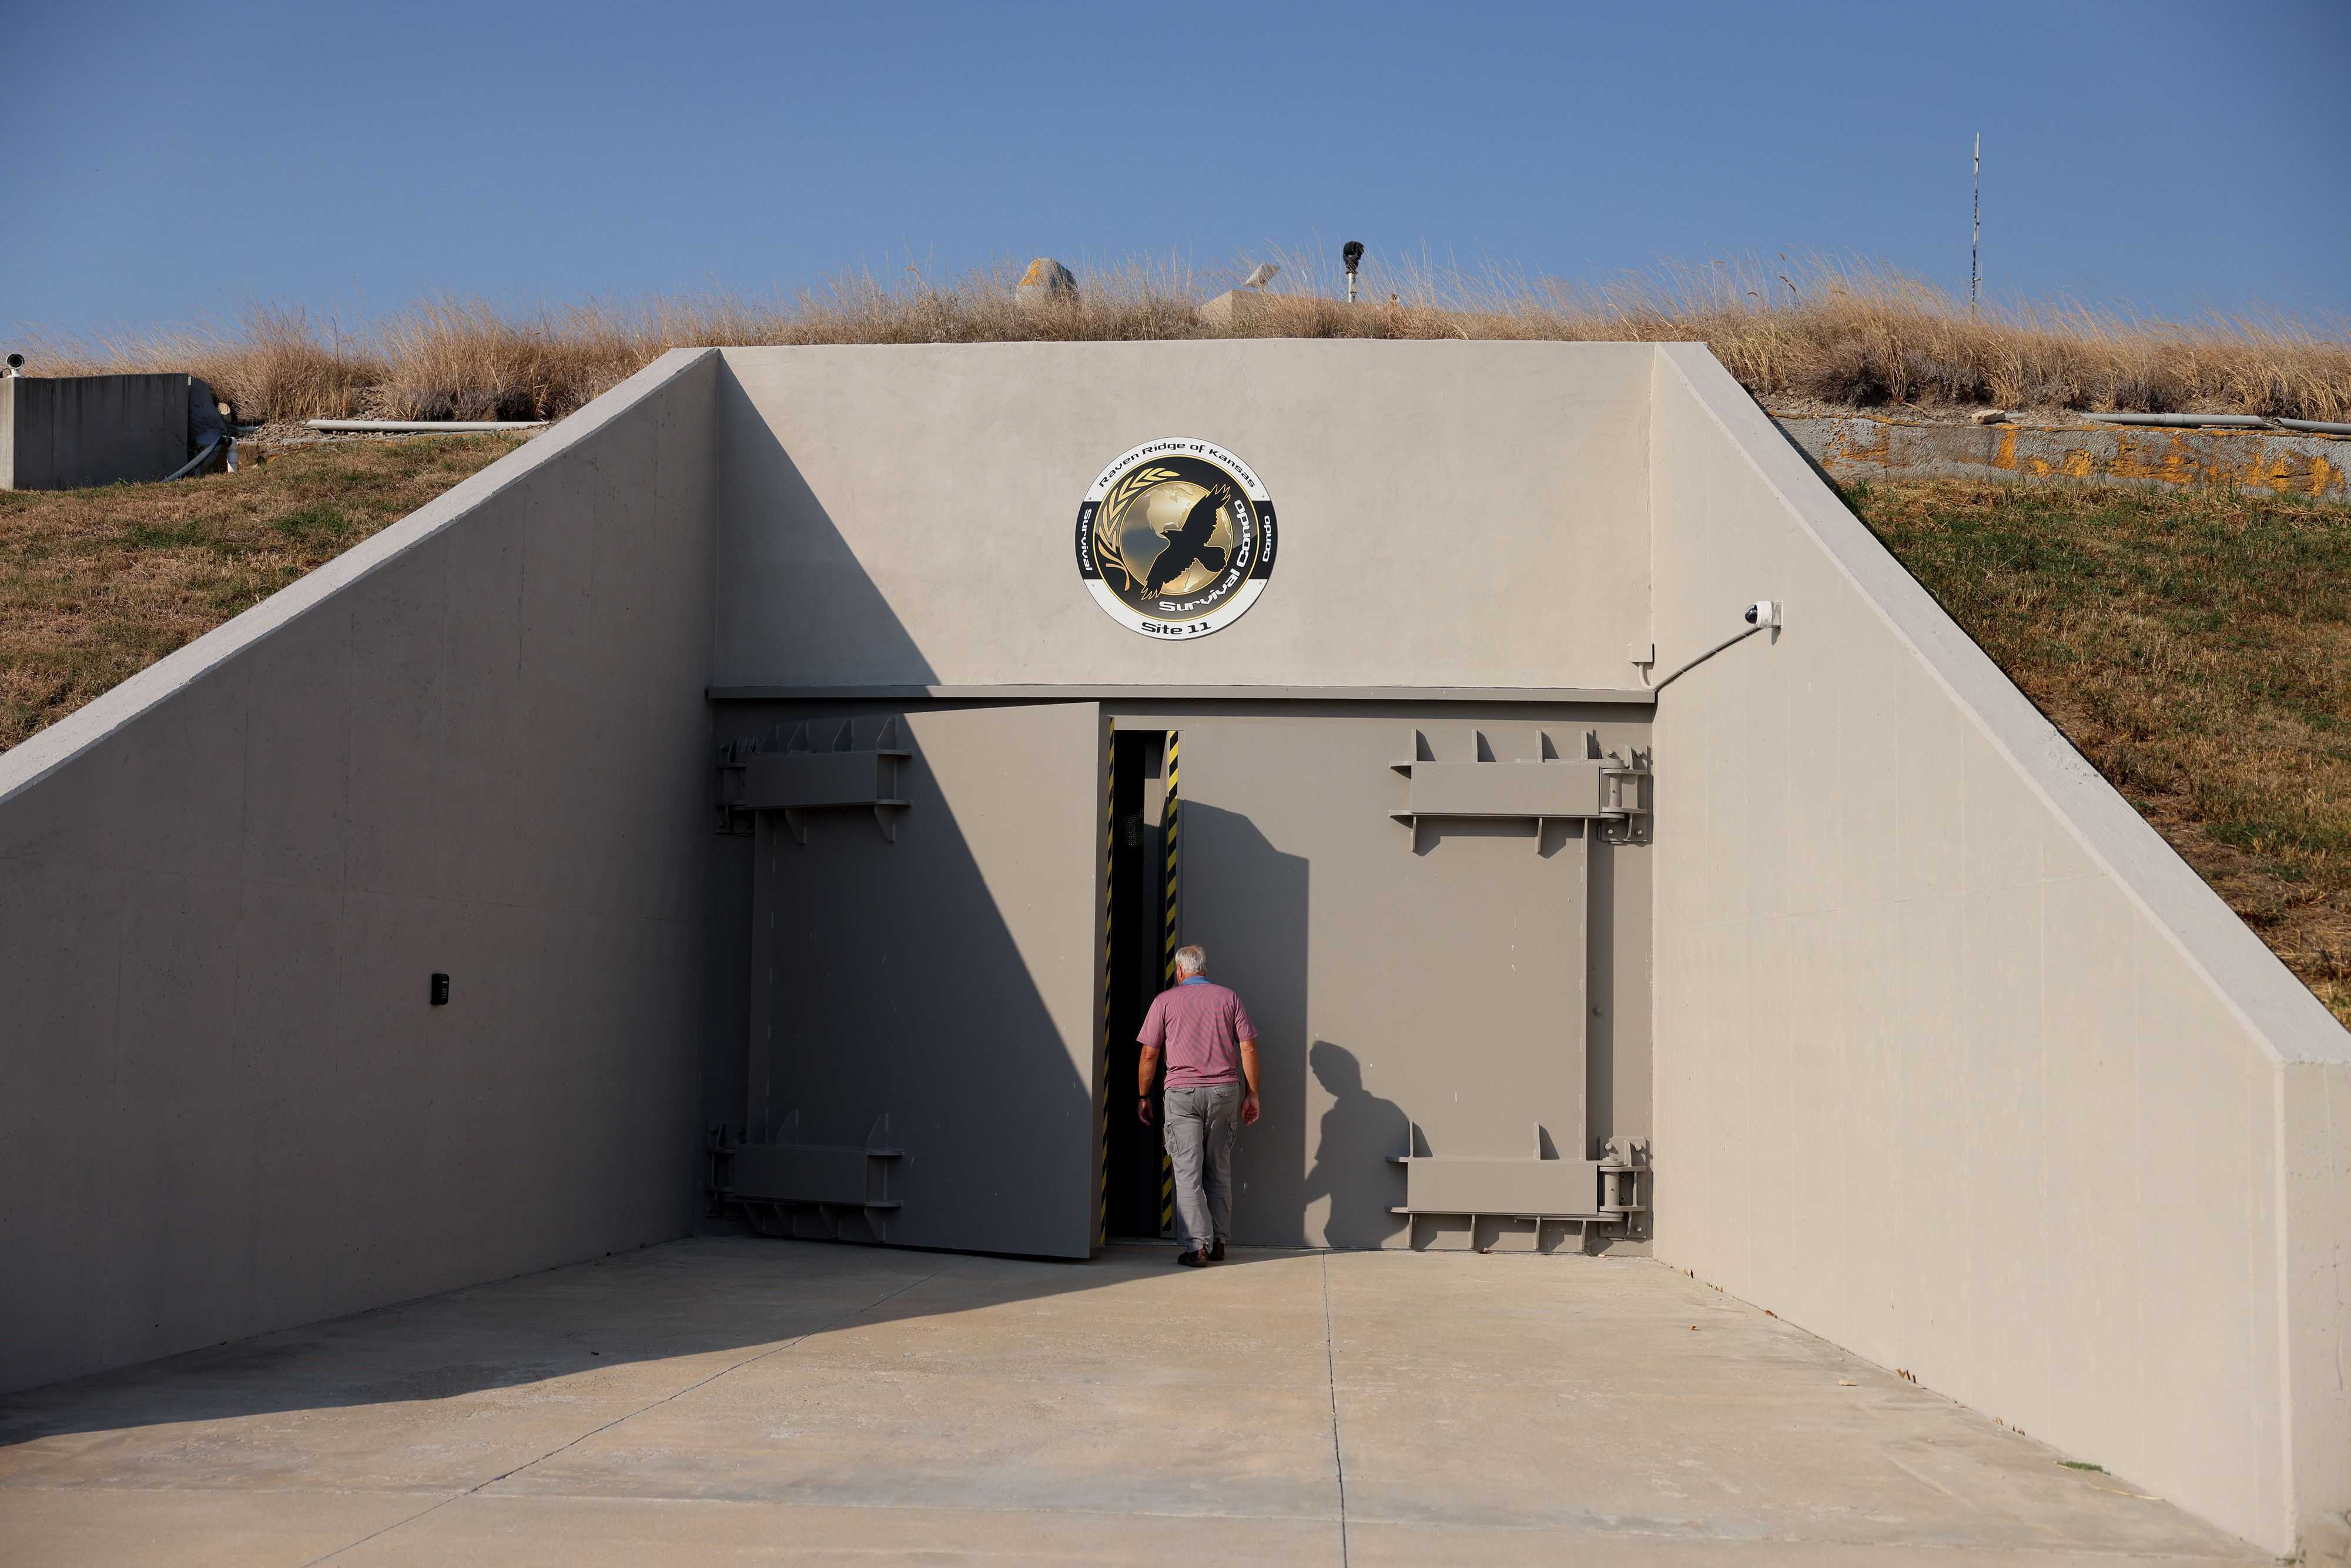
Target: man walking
1211	1047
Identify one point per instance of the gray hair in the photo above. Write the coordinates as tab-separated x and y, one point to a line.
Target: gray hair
1190	960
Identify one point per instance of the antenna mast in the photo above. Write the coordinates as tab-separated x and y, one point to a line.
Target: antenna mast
1975	240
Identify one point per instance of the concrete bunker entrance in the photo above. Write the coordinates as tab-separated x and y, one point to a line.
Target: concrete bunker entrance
1882	890
957	915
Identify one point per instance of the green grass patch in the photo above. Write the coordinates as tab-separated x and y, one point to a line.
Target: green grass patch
2196	646
320	518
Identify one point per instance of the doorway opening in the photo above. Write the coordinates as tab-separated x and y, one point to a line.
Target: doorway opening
1140	945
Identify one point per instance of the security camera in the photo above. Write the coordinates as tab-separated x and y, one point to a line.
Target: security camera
15	362
1351	253
1763	612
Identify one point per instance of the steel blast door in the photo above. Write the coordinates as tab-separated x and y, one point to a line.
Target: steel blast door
1428	975
947	978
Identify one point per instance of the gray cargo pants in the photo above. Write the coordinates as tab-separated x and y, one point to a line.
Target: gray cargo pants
1199	1140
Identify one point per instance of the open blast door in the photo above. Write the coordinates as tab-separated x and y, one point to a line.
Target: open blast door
1406	910
925	978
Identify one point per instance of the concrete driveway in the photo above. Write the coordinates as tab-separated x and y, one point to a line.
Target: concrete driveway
722	1401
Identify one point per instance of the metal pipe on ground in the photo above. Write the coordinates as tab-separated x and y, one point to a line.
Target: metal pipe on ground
422	427
192	463
2185	421
2224	422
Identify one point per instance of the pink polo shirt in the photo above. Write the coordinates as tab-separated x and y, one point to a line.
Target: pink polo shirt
1201	1024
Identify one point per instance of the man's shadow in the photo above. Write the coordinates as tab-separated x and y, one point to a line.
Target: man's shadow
1361	1136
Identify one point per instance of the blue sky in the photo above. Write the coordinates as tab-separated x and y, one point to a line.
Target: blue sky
166	163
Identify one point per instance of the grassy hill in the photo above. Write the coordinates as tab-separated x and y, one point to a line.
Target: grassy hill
2195	645
96	585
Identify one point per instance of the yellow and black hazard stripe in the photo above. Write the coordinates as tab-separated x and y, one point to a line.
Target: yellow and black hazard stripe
1109	870
1168	960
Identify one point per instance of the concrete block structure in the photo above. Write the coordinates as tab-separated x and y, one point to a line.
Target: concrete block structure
1868	446
801	839
59	433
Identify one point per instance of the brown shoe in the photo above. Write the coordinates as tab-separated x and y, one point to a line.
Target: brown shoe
1192	1260
1216	1253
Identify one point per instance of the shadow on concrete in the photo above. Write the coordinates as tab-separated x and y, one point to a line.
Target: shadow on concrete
582	1317
899	979
887	939
782	646
839	629
1248	903
1360	1132
879	939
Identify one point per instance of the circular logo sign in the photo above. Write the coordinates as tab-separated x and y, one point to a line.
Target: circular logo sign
1176	539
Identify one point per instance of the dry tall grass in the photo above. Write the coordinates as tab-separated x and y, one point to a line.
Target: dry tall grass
275	358
1850	333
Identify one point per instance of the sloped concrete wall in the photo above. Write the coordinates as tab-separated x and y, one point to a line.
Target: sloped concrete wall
1958	1064
475	744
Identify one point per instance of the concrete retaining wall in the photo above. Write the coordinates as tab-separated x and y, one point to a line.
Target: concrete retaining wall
1469	513
475	744
1959	1064
1858	446
59	432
